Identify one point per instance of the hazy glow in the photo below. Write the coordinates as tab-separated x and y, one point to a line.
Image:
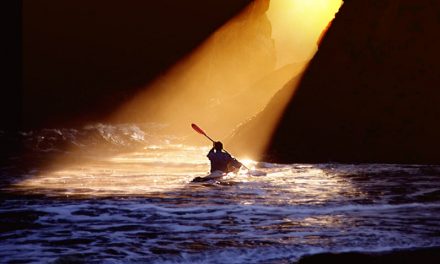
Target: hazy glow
234	74
165	173
297	25
217	86
135	173
227	80
248	162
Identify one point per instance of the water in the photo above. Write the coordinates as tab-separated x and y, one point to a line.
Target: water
138	205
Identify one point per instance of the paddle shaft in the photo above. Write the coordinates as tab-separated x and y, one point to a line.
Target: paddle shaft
209	138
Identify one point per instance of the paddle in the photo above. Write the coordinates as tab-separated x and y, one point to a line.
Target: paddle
200	131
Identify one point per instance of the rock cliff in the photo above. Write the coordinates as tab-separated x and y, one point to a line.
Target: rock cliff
371	93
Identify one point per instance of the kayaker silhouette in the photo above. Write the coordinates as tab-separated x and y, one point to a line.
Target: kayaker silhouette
221	160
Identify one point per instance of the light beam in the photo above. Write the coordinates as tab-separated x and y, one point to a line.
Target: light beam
227	80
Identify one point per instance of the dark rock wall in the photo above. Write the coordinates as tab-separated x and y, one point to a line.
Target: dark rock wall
371	93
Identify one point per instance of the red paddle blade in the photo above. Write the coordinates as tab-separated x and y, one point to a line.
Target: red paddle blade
198	129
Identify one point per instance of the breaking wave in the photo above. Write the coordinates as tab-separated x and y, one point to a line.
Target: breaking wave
110	136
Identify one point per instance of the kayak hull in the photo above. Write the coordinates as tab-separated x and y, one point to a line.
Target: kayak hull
216	175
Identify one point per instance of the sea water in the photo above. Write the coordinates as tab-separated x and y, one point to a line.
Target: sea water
133	202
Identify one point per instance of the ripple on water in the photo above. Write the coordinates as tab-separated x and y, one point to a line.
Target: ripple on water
292	211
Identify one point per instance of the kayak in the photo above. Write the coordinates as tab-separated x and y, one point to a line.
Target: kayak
213	176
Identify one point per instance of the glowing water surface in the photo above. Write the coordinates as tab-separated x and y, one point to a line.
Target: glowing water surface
142	207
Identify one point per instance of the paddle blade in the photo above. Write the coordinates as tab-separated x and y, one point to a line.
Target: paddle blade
198	129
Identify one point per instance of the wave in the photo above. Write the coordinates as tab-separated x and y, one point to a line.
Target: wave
285	211
110	136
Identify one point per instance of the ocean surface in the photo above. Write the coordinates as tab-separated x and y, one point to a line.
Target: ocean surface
123	194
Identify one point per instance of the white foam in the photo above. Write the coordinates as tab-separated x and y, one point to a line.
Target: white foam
295	209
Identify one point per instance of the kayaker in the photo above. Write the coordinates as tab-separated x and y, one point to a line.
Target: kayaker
221	160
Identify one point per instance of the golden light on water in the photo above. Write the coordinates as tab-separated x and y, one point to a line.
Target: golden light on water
136	173
247	162
227	80
140	174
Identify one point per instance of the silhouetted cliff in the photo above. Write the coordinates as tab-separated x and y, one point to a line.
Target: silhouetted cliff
371	93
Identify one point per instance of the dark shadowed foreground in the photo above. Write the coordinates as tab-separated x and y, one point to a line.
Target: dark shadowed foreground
426	256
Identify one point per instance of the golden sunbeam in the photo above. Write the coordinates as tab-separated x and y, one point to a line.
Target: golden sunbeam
215	85
233	74
297	25
230	78
297	28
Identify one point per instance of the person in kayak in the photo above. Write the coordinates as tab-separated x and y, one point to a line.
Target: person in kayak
221	160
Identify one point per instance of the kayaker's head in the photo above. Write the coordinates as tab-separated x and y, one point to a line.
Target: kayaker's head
218	146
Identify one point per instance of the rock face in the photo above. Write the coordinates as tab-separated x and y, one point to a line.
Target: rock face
371	93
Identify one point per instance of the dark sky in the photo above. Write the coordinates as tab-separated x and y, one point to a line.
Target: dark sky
82	58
